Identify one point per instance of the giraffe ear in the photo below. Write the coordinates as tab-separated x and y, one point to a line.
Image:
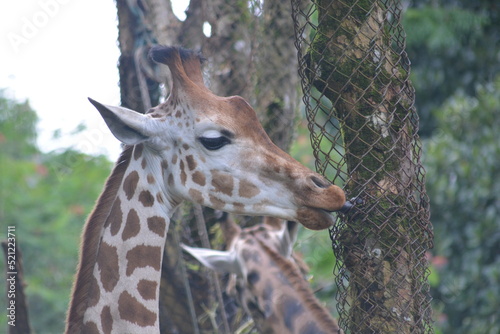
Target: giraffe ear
127	126
221	261
287	237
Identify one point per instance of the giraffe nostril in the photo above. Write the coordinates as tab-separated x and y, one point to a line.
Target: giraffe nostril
321	183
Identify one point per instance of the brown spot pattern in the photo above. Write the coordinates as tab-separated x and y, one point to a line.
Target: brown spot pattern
132	226
131	310
90	328
217	203
151	179
199	178
248	189
94	294
146	198
147	289
222	182
144	163
107	260
164	164
191	162
195	196
170	180
138	151
239	207
157	225
143	256
290	308
106	320
130	184
174	159
183	173
115	217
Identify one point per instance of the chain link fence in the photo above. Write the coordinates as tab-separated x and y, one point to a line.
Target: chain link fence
363	127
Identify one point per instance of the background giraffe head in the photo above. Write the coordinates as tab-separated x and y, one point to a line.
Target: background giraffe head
214	151
266	278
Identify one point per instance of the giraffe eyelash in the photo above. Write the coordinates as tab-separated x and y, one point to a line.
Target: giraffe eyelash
215	143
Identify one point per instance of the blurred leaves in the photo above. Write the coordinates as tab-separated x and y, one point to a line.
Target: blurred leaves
17	128
452	45
443	29
46	196
463	182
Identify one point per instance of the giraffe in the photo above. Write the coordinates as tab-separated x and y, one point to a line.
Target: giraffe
195	146
266	278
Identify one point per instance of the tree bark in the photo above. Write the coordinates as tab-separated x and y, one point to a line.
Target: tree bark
276	72
175	313
354	65
137	91
250	54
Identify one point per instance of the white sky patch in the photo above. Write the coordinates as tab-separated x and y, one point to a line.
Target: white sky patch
56	53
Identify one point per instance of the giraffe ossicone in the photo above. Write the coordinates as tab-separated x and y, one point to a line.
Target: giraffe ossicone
195	146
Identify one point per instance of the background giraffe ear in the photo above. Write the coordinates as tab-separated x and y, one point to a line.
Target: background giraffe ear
127	126
221	261
287	237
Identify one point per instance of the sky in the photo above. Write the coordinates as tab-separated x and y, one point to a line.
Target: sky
55	54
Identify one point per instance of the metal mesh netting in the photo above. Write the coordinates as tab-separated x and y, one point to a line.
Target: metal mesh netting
363	126
359	106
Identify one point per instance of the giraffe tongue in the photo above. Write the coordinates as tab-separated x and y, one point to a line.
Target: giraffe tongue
348	205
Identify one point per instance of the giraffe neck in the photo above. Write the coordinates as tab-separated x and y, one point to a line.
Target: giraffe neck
288	302
117	284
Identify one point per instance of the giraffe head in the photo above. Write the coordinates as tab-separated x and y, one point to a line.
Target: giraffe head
214	151
266	278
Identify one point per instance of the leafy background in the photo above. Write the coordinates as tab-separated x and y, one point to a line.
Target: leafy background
454	48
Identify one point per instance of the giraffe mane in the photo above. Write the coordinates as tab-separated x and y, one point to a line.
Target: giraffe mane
299	284
90	242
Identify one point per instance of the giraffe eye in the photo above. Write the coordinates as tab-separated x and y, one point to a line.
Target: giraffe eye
215	143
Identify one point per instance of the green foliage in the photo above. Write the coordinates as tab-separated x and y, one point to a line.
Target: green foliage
46	197
316	250
451	44
463	182
17	128
316	246
443	30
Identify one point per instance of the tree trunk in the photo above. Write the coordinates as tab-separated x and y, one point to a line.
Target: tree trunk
175	313
137	91
277	78
354	65
251	54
